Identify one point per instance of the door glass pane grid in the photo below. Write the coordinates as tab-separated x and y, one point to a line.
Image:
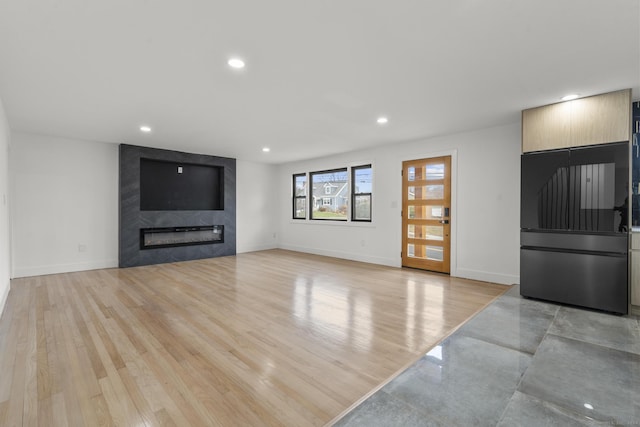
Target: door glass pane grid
428	252
425	212
411	175
425	192
427	172
428	232
434	171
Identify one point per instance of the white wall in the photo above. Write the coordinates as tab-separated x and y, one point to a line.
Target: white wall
485	209
65	195
5	249
256	206
64	205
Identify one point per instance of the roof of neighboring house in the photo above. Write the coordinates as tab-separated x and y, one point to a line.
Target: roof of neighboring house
337	188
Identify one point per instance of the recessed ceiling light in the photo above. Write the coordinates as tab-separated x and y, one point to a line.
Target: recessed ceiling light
382	120
266	149
145	129
570	97
236	63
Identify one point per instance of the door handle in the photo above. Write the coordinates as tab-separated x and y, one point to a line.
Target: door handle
444	221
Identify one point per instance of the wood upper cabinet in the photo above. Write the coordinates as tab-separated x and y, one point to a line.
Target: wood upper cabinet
601	119
546	127
596	119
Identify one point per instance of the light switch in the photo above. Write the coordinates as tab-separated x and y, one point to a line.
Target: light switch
179	169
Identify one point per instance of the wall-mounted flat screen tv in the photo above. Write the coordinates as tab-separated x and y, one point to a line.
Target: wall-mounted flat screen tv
172	186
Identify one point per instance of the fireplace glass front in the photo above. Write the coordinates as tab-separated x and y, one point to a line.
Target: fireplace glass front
151	238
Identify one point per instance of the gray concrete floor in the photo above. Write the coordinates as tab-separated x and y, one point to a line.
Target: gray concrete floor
519	362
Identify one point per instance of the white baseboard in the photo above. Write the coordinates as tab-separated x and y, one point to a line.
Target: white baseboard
4	296
41	270
255	248
344	255
486	276
465	273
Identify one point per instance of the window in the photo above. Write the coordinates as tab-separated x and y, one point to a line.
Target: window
337	183
326	195
300	196
361	180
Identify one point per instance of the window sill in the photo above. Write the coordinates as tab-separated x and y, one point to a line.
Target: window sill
360	224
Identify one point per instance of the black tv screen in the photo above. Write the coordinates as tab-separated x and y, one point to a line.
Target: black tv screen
171	186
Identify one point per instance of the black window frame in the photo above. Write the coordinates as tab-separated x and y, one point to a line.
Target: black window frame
350	199
296	197
355	194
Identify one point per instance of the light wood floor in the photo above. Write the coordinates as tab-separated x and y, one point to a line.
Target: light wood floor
264	338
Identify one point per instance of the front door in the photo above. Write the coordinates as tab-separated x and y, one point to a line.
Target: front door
426	210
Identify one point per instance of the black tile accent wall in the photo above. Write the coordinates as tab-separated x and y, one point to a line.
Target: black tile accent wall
132	219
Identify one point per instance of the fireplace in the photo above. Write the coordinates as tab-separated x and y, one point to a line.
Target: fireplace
189	234
151	238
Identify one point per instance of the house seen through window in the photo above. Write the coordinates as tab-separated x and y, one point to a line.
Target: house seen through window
329	194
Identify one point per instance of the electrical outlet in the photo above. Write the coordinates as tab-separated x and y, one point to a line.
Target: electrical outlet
82	248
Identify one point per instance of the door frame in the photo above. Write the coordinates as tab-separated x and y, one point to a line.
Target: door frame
453	256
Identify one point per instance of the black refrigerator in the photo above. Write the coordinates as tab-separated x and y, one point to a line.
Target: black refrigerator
574	226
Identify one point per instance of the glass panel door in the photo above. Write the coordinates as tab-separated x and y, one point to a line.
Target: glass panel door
426	223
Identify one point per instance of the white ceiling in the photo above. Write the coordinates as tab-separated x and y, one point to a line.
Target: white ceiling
318	73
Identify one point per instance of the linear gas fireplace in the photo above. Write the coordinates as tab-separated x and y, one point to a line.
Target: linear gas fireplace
151	238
